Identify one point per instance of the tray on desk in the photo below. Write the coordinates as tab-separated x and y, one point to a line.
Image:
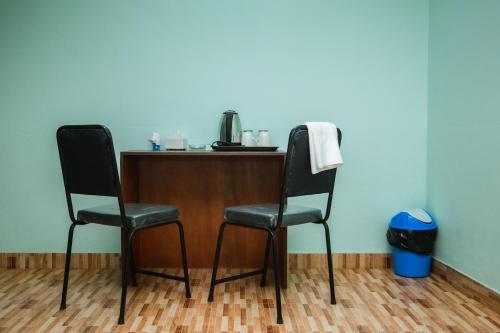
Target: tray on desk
243	148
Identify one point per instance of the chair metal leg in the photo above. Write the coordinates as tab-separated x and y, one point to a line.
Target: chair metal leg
67	266
277	277
133	270
266	261
184	259
125	272
216	262
330	265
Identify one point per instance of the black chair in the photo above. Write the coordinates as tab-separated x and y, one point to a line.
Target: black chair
297	181
89	167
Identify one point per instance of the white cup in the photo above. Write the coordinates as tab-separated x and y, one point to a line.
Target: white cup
247	138
264	139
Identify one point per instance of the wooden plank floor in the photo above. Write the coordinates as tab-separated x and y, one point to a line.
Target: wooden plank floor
368	301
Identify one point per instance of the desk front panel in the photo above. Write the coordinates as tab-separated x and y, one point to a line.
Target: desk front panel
201	186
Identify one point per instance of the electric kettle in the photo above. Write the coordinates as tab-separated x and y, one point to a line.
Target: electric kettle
230	129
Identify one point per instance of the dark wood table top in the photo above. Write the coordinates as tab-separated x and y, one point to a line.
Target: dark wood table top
207	153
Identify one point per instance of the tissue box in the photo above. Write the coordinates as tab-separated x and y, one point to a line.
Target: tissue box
176	144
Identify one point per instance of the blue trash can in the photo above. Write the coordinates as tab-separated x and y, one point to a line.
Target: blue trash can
412	233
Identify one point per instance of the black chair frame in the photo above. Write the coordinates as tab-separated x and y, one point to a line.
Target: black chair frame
272	236
128	266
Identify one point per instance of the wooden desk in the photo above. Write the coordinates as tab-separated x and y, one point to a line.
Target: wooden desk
201	184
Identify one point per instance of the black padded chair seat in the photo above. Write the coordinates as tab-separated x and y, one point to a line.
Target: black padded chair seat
138	215
266	215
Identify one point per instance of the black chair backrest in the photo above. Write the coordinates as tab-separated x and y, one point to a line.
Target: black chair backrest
298	177
88	160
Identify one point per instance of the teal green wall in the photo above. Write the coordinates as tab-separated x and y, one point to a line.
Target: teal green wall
139	67
464	135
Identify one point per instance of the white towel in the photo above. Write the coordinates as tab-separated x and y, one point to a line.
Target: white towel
323	146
